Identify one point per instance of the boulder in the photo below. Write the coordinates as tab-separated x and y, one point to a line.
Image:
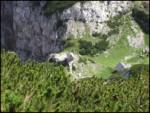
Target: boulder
67	59
122	66
123	69
136	41
61	57
146	51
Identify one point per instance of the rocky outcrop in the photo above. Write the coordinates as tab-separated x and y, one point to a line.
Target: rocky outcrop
146	51
35	35
123	69
136	41
122	66
91	16
68	59
8	39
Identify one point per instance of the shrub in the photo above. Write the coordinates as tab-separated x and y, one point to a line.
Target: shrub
139	69
99	35
102	45
68	44
82	60
12	100
86	47
46	87
91	60
114	24
113	31
85	44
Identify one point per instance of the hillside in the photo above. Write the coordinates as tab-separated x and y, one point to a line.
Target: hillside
75	56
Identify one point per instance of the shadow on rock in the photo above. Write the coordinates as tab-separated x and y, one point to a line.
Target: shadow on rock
142	19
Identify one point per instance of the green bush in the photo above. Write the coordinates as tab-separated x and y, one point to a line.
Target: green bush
139	69
68	44
85	44
45	87
113	31
102	45
87	48
115	23
82	60
12	100
99	35
91	60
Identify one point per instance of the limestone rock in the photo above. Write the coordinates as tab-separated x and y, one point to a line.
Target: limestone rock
36	36
122	66
8	39
123	69
146	51
64	58
136	41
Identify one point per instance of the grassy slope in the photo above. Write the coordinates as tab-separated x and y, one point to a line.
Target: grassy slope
106	62
44	87
146	39
116	53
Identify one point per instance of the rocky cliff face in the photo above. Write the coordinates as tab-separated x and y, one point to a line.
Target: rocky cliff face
33	35
7	34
